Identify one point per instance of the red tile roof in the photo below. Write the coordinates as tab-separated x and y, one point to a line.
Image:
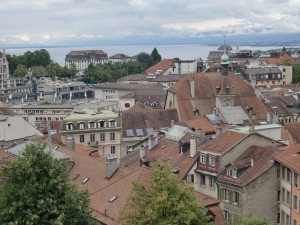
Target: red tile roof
223	142
162	65
281	60
171	152
293	129
290	157
262	161
205	89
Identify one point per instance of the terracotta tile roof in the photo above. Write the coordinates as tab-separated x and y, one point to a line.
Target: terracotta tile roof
224	142
219	217
204	101
262	161
203	124
171	152
162	65
290	157
293	129
280	60
143	117
207	201
110	212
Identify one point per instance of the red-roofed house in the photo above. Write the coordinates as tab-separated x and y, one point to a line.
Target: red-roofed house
289	174
249	185
219	152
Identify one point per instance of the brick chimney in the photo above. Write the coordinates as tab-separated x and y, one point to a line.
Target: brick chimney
111	162
192	146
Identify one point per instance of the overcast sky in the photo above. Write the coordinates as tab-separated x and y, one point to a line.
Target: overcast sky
57	21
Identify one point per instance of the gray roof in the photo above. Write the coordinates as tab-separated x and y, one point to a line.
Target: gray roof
213	119
234	115
167	78
17	151
134	77
119	56
262	70
124	86
176	133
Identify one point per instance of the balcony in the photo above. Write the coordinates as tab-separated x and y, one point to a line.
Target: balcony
93	143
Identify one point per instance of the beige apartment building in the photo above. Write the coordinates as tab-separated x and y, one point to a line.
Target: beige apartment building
95	128
289	195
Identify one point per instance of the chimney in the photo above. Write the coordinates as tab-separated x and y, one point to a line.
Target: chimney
155	141
192	84
142	152
111	162
192	146
172	123
218	130
269	117
151	142
70	142
251	129
253	116
252	163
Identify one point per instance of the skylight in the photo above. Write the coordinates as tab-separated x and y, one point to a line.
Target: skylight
113	198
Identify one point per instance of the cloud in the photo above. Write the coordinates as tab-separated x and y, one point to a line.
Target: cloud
54	21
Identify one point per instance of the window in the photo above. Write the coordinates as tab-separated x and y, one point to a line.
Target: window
288	197
92	137
92	125
295	179
234	174
288	175
226	195
283	195
127	105
226	215
202	158
283	172
295	201
81	138
101	124
112	123
69	126
190	178
112	136
113	149
278	172
211	182
202	179
278	195
81	126
212	160
282	217
102	136
229	172
283	70
235	198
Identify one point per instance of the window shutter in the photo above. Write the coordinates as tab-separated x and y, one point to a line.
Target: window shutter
230	193
221	194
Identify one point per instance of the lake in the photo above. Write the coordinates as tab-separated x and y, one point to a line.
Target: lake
184	52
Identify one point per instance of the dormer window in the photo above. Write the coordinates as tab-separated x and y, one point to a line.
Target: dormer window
69	126
101	123
81	125
234	174
203	158
112	123
212	160
92	125
229	172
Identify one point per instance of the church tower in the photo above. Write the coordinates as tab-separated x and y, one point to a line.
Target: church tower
224	92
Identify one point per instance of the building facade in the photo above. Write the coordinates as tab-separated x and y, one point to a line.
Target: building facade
82	59
100	129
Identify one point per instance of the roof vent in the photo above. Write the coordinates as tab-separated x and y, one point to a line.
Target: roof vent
113	198
85	180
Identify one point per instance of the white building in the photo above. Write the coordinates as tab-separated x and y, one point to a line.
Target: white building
82	59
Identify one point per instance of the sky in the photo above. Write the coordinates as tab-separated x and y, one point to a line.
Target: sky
51	22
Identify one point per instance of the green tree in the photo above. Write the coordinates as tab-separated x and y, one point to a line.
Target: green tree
145	60
35	190
166	201
20	71
155	56
251	220
296	73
